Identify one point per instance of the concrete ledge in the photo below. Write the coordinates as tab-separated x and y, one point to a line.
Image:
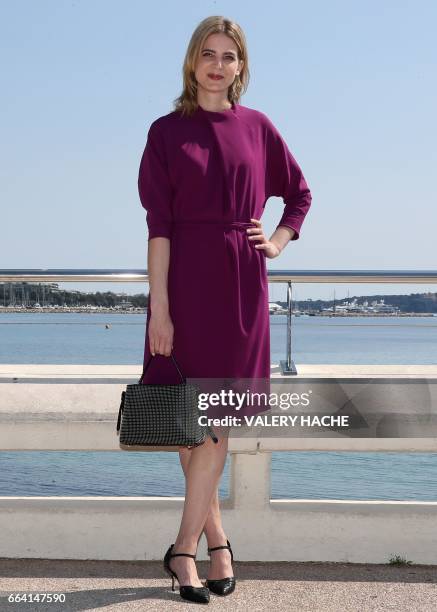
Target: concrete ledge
75	407
260	528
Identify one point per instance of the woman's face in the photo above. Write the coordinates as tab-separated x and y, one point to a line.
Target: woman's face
218	57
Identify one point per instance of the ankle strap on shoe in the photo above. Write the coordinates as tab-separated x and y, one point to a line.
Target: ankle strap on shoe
182	555
218	548
228	547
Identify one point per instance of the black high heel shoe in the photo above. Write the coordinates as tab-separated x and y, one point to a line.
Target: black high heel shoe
224	586
191	593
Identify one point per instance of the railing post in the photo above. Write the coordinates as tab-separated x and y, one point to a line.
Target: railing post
250	481
288	366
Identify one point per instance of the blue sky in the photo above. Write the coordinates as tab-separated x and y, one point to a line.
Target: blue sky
350	85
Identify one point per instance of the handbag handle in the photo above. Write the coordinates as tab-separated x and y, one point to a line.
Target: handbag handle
148	363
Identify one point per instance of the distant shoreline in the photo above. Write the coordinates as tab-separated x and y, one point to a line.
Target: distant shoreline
144	311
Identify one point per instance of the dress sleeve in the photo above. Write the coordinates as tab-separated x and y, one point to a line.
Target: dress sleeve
154	186
284	178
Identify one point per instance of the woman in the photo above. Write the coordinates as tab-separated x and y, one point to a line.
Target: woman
206	173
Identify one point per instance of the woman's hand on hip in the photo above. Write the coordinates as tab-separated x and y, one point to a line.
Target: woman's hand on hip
161	332
256	234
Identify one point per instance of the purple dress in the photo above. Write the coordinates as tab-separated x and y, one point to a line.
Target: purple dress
201	179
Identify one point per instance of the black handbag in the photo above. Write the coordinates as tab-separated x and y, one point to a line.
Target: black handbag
161	417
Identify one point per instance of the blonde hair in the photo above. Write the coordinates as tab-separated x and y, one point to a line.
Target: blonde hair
186	103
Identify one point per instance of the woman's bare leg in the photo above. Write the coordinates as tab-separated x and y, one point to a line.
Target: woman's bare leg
202	477
220	565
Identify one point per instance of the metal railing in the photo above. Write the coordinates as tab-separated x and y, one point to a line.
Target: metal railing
273	276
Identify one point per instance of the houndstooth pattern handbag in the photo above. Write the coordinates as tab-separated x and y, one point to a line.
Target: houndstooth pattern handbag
160	417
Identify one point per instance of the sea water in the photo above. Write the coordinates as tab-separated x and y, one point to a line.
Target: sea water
84	338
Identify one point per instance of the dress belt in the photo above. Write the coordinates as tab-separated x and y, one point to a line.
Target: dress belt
241	225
